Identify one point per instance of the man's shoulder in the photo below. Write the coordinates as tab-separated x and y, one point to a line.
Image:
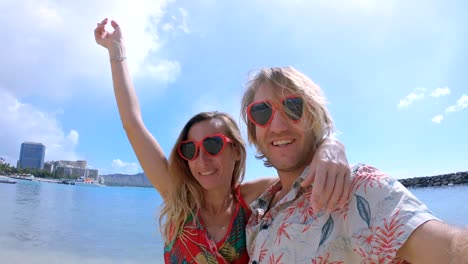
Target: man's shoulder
365	178
367	171
363	167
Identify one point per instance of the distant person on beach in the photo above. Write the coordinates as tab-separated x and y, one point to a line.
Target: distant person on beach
382	223
206	205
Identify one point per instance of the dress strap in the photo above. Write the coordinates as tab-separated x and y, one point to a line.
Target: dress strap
241	200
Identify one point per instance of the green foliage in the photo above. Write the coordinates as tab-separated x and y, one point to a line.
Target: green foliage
8	170
5	168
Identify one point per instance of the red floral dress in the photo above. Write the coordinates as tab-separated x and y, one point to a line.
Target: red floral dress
194	245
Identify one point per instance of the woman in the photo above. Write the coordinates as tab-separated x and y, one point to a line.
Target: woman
205	204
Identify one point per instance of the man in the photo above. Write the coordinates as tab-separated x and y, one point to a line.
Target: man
383	222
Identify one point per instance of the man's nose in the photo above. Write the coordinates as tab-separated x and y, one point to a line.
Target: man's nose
279	122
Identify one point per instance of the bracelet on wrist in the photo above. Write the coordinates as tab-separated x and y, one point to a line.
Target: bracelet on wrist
119	58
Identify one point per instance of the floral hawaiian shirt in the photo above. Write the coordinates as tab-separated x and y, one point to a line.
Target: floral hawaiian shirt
374	224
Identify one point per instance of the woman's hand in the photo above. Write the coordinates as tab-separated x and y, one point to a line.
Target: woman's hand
330	175
113	41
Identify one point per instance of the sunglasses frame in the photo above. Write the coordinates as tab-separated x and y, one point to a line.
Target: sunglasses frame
274	107
199	145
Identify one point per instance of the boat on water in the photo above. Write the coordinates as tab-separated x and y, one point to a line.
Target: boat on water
7	181
68	182
24	177
87	182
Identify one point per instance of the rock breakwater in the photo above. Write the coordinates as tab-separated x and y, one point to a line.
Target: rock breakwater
439	180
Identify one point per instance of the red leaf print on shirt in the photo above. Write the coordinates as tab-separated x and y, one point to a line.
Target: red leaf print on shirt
273	260
304	205
282	232
263	252
381	243
367	176
388	234
289	212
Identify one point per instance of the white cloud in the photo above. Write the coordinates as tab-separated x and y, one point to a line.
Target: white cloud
49	17
165	71
51	44
73	137
440	92
120	166
183	25
50	48
180	23
410	98
24	122
437	119
462	103
167	27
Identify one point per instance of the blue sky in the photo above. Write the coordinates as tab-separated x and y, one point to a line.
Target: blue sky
394	73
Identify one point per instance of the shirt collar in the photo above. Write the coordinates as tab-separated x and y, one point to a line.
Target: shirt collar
264	200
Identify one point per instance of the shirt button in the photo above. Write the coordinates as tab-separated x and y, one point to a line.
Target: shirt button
254	262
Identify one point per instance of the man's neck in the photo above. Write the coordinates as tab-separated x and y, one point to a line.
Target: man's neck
288	178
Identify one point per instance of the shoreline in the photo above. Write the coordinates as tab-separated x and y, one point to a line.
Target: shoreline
449	179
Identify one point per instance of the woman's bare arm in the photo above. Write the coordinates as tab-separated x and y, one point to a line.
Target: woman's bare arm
146	147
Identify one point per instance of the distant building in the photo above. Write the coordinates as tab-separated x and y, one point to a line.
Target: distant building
49	166
77	164
72	169
65	172
31	155
92	173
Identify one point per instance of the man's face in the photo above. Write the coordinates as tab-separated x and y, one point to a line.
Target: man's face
286	144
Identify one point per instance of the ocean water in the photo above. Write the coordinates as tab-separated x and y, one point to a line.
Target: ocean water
54	223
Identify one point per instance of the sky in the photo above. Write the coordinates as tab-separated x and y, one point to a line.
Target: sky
394	74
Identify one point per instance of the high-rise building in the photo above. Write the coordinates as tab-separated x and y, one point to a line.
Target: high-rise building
31	155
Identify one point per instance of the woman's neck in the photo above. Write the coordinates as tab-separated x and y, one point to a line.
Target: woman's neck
217	201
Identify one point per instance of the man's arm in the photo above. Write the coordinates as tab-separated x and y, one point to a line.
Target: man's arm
460	248
435	242
331	176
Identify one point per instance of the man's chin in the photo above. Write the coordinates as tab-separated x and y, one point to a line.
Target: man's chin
287	167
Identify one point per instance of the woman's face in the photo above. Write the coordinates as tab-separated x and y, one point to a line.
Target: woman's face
212	173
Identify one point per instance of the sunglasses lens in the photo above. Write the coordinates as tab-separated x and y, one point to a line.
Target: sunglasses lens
261	113
213	145
293	107
188	150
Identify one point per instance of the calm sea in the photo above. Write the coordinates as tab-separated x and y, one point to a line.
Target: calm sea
54	223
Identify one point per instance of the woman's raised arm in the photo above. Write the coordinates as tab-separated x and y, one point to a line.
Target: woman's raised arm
146	147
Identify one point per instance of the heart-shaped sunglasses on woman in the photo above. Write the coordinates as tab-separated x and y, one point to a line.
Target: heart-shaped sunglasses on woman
262	112
212	145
